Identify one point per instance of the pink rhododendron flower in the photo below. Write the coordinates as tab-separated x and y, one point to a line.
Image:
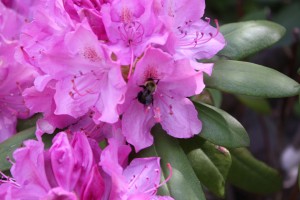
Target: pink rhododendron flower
35	101
14	78
94	81
82	76
66	59
139	180
190	36
75	168
68	170
157	93
131	26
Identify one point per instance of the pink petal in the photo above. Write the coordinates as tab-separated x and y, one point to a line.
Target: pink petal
136	125
143	175
181	119
29	170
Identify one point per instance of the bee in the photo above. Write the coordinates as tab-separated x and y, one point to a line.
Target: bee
146	95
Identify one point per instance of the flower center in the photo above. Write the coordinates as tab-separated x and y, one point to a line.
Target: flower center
131	33
85	83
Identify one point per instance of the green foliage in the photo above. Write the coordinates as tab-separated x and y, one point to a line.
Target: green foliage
251	174
27	123
202	159
221	128
260	105
250	79
210	164
246	38
216	97
184	184
8	146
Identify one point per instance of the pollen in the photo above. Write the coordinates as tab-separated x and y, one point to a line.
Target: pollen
126	15
91	54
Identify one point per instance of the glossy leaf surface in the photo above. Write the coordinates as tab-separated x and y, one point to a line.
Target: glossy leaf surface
221	128
250	79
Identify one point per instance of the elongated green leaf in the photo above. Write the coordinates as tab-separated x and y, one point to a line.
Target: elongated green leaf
250	79
221	128
9	145
252	175
257	104
184	184
210	164
216	97
246	38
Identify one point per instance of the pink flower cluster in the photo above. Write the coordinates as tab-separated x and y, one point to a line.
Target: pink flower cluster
77	168
99	70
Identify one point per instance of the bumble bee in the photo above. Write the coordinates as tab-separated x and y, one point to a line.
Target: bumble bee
146	95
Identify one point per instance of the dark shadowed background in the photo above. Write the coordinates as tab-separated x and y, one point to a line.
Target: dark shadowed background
273	124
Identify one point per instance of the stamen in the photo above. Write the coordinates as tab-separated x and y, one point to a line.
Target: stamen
9	160
187	39
7	179
132	33
131	63
87	90
218	27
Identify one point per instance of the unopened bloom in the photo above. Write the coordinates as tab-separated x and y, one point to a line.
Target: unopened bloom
67	170
76	168
157	93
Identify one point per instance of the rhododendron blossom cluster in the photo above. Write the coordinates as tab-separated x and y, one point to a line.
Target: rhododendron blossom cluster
77	168
104	70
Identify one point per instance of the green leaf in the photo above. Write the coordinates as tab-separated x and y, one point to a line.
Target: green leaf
8	146
216	97
252	175
246	38
210	164
221	128
259	105
250	79
27	123
184	184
